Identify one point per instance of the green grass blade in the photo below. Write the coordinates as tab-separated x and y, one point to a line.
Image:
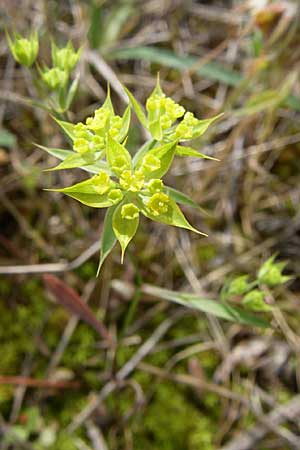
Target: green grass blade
208	306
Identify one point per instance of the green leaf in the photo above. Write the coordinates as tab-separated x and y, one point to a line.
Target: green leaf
165	153
108	238
221	310
108	104
73	161
124	229
167	58
183	199
173	216
203	125
189	151
67	127
137	108
72	92
116	154
64	154
57	152
85	193
142	152
125	124
156	129
157	90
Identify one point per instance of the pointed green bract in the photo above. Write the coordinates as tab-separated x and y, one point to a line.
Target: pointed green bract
193	153
86	193
67	127
71	156
72	161
124	228
172	216
118	157
180	197
142	152
108	238
164	154
108	104
203	125
137	108
124	125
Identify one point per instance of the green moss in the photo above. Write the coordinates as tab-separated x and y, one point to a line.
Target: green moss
172	421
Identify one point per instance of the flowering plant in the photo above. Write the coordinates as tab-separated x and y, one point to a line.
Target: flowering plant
130	186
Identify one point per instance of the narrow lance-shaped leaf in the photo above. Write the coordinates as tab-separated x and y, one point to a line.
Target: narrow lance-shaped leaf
193	153
172	216
108	104
118	157
137	108
142	152
71	92
203	125
125	124
85	192
71	160
165	155
180	197
108	238
209	306
124	228
67	127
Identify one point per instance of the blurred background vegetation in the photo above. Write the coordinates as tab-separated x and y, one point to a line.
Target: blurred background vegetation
200	383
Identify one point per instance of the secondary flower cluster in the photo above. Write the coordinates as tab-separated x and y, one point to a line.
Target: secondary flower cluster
54	79
130	186
252	294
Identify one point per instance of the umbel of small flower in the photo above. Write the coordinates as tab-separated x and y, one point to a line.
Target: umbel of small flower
130	186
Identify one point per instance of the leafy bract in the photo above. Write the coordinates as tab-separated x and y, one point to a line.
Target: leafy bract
172	216
137	108
85	192
118	157
189	151
70	156
180	197
124	124
67	127
108	238
165	155
124	228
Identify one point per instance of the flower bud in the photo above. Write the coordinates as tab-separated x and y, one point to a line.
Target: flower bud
270	273
24	50
54	78
239	286
65	58
255	300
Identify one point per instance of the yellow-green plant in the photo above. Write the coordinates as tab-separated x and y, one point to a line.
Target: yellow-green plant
56	84
130	186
